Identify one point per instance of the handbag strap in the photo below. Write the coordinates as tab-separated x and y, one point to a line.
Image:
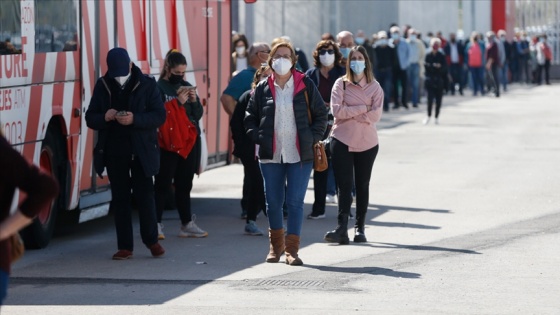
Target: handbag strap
307	103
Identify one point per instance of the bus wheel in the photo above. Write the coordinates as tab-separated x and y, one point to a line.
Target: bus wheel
39	232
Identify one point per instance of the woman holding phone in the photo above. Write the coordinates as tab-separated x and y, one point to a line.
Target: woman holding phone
175	167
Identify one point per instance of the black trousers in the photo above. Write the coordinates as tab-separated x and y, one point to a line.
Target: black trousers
346	164
128	179
253	188
434	94
181	171
455	70
494	79
320	190
546	68
399	75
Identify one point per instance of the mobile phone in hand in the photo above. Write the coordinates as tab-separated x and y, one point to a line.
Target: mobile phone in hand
122	113
185	88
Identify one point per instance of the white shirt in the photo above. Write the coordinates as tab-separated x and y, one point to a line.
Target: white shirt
285	129
454	53
241	64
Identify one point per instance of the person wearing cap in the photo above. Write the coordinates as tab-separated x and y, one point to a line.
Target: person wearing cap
126	109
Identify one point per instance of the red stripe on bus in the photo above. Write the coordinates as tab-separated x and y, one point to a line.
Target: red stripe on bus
33	119
60	69
57	99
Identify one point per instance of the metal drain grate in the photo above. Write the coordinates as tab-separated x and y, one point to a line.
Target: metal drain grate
291	283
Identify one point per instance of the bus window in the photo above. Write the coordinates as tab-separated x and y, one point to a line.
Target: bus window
10	27
56	25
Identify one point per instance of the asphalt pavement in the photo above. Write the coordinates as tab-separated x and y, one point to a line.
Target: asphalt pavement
464	218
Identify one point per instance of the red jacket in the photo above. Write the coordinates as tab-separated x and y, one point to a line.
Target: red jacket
177	134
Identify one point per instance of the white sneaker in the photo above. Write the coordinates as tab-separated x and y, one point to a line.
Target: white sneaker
436	121
160	235
192	230
426	121
330	199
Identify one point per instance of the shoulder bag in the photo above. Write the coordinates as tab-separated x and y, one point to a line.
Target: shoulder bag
320	162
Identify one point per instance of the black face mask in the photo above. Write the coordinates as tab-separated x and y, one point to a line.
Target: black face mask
175	78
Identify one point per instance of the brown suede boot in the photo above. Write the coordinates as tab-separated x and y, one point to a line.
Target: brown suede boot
276	238
292	247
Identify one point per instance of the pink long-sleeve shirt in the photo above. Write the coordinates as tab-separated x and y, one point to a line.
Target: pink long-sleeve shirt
355	125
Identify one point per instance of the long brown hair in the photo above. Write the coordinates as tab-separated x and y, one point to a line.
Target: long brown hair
349	76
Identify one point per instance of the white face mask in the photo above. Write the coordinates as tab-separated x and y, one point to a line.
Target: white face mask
281	65
122	80
326	59
240	50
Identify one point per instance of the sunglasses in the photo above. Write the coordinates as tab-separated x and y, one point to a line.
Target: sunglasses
324	51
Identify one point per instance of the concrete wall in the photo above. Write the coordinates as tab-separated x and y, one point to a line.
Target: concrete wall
446	16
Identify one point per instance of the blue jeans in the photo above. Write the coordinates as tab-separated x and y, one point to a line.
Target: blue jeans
331	183
504	76
295	178
477	74
414	78
4	279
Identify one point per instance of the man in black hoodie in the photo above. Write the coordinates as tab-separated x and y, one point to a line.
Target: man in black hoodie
126	109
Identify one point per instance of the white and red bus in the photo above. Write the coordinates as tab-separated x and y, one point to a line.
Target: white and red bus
53	51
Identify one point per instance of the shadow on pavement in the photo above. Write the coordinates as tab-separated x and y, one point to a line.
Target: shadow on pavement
421	247
367	270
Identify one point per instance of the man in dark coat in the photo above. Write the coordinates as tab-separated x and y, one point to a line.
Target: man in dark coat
126	108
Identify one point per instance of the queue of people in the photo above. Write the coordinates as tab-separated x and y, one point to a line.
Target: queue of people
279	110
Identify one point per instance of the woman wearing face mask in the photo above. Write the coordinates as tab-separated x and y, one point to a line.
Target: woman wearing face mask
174	166
436	72
327	69
239	54
357	104
286	116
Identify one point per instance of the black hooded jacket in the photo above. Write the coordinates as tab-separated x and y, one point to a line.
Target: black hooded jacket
144	101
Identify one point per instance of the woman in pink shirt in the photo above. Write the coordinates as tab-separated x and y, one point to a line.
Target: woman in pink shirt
357	104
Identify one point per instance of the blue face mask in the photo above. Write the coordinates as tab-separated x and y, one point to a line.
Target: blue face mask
360	40
345	52
357	66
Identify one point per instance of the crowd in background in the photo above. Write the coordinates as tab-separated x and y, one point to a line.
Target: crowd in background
483	62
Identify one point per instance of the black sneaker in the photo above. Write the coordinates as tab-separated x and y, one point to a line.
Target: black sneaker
313	216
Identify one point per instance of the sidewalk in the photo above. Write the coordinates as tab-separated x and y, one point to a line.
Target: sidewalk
464	218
